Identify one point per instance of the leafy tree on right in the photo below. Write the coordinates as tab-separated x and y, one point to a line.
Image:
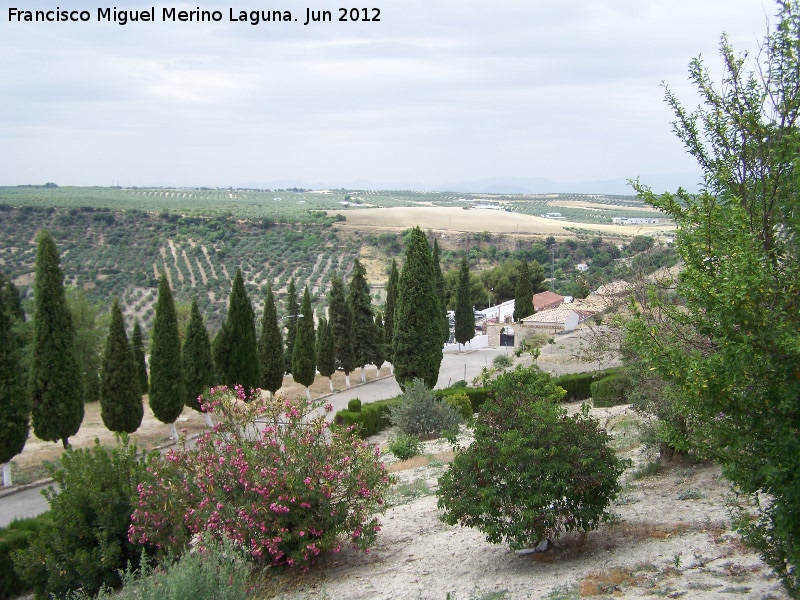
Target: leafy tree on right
729	354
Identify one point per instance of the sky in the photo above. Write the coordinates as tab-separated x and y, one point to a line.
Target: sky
510	95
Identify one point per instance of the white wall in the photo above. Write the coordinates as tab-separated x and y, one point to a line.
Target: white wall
476	343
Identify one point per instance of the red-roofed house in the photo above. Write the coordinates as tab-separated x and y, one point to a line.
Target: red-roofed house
546	301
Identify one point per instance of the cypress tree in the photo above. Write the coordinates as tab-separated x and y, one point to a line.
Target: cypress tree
437	271
363	327
11	300
379	352
465	314
198	368
166	370
120	401
326	356
137	346
417	343
523	294
304	355
341	320
391	303
292	309
56	386
242	367
15	404
221	352
270	347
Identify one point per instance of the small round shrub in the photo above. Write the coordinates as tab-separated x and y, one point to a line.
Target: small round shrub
501	361
419	413
405	446
354	405
460	403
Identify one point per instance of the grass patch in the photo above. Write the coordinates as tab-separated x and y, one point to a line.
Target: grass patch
403	493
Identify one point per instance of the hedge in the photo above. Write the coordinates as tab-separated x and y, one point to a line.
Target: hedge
579	385
609	391
12	538
371	419
477	396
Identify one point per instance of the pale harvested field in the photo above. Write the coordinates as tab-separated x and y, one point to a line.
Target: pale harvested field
597	205
458	219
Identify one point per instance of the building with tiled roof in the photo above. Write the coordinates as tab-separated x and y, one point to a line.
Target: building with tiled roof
546	301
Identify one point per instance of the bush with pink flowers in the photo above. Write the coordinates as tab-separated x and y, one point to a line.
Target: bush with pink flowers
273	475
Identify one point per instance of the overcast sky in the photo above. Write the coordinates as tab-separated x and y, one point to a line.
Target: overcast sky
438	94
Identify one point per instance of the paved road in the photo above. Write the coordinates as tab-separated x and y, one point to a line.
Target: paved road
455	366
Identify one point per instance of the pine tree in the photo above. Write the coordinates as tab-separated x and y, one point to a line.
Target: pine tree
341	320
56	386
242	367
326	356
437	271
292	309
523	295
166	370
270	347
15	404
363	326
417	343
465	314
379	351
120	401
304	355
391	304
137	346
198	367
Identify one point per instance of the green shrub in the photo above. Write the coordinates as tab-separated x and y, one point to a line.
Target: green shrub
460	403
579	385
461	383
90	509
15	537
532	471
609	391
419	413
405	446
373	417
477	396
501	361
354	405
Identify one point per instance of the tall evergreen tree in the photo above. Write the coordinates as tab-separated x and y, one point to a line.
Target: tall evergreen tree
380	349
417	343
523	295
341	320
198	367
91	332
221	352
437	271
15	403
137	346
465	314
56	386
242	367
391	304
304	356
363	327
326	356
292	309
270	347
166	370
11	300
120	401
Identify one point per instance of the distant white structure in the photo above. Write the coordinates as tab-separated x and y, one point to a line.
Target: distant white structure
583	267
502	313
634	221
553	215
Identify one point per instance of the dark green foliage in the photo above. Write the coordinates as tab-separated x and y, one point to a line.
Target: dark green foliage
137	345
15	403
477	396
609	391
90	509
221	352
270	346
417	343
17	536
419	413
304	357
56	386
389	309
532	470
9	294
363	323
523	293
341	319
461	404
530	381
465	314
354	405
166	369
90	339
371	419
439	278
242	366
292	310
578	385
198	367
380	350
326	357
120	401
405	446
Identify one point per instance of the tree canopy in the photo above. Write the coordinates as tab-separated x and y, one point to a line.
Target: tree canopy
166	369
465	314
304	356
270	346
198	366
120	401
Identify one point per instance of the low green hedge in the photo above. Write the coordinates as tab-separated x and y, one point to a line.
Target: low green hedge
15	537
371	419
579	385
477	396
609	391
